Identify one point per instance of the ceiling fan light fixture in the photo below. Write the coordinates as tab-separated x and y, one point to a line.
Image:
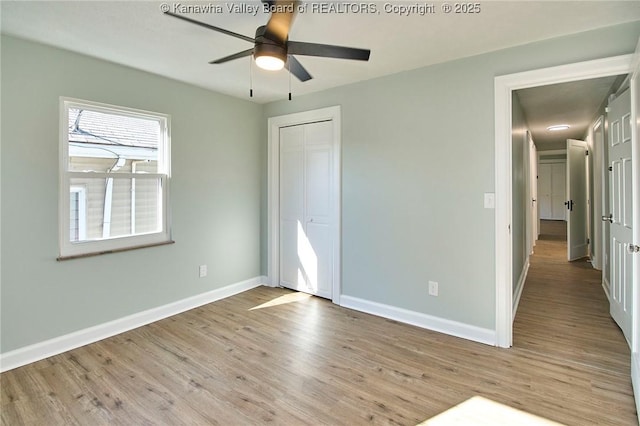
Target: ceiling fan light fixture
558	127
270	63
270	57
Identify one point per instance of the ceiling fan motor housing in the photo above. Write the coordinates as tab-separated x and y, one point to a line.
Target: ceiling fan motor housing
267	47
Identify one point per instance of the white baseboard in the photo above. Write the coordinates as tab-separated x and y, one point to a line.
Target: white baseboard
517	293
635	380
441	325
57	345
266	281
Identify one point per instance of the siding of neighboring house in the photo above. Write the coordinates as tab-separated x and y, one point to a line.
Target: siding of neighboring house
146	197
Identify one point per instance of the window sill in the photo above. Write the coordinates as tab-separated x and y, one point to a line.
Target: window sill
98	253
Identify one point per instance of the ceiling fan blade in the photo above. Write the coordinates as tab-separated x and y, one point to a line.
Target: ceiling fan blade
277	29
297	69
211	27
327	51
238	55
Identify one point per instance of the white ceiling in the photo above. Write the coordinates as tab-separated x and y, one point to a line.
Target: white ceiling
137	34
575	104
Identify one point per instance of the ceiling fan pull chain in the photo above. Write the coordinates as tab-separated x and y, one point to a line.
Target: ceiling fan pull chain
289	61
251	77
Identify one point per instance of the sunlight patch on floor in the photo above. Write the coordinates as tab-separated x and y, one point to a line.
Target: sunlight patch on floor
479	411
282	300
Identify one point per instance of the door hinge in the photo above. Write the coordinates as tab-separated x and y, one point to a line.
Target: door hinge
586	153
610	168
588	241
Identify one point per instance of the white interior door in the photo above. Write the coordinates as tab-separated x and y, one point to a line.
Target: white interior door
621	210
528	194
544	191
599	145
533	185
306	161
576	203
635	174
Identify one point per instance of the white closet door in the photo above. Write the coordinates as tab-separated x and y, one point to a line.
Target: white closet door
305	208
291	203
558	191
552	190
544	191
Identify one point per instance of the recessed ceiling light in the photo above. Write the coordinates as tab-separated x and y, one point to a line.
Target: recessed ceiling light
558	127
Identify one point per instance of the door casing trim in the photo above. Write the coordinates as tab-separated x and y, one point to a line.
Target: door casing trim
274	124
503	88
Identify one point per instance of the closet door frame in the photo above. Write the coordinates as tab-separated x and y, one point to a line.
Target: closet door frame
273	189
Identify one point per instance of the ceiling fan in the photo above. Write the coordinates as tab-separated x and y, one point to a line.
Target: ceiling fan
272	48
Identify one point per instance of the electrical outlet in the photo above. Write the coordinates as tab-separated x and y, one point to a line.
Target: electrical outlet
433	288
202	270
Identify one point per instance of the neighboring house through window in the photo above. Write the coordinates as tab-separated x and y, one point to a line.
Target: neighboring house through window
77	213
114	175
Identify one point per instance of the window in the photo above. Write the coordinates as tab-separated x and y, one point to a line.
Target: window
114	172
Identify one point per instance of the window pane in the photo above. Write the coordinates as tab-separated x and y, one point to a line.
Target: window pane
117	207
108	142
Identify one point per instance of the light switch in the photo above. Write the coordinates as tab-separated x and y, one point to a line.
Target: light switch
489	200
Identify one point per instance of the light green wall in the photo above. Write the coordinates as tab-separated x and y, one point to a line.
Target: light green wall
417	157
215	188
418	154
409	186
518	189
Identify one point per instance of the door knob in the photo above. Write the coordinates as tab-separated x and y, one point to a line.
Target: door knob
608	218
632	248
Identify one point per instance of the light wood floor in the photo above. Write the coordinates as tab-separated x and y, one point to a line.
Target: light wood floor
564	312
249	360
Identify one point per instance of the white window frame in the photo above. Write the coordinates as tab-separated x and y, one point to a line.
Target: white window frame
72	249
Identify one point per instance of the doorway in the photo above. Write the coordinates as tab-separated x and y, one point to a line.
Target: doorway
504	87
304	202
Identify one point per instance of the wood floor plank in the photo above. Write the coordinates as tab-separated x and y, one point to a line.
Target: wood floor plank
272	356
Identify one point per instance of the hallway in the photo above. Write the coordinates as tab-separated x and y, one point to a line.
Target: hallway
564	312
